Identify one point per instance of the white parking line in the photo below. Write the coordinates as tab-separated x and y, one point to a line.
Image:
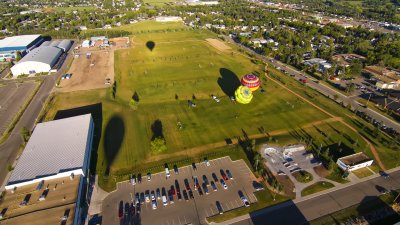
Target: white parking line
212	211
206	212
232	204
237	204
227	206
254	197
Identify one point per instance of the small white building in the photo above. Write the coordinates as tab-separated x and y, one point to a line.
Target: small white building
354	162
86	44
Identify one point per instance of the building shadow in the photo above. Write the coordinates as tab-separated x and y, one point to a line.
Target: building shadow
150	45
228	81
113	137
97	114
284	213
372	210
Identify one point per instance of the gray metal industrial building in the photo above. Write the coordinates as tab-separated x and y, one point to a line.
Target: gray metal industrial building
55	149
57	155
39	60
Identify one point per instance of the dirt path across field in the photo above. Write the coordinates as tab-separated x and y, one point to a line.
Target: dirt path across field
220	45
199	149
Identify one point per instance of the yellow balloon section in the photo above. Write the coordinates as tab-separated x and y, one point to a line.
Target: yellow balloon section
243	95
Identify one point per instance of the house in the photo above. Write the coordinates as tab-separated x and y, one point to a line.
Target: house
82	28
86	44
354	162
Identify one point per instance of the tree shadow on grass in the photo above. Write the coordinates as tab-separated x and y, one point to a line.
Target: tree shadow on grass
157	129
150	45
97	115
113	138
228	81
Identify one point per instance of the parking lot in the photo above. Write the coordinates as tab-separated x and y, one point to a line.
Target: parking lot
183	211
288	159
14	95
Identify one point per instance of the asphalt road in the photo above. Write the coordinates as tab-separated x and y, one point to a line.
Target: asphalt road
9	149
13	96
328	91
309	209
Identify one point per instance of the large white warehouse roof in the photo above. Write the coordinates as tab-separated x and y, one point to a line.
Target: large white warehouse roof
18	42
55	147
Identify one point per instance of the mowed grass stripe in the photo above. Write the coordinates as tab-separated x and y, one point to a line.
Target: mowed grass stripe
208	123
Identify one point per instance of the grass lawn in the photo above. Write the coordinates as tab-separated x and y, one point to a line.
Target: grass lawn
303	176
362	172
161	2
317	187
151	26
164	78
388	154
170	64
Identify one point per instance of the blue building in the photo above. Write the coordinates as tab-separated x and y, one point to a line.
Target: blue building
23	43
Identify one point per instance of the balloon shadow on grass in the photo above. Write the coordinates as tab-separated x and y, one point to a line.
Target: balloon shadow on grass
228	81
150	45
113	138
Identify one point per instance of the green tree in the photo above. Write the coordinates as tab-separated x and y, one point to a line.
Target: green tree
18	56
25	134
158	145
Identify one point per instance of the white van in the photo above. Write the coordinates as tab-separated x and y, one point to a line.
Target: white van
154	204
164	200
167	172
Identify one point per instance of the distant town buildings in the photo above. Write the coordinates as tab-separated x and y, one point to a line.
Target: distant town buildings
386	78
321	64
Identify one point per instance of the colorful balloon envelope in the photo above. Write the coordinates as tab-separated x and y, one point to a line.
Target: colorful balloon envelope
243	95
251	81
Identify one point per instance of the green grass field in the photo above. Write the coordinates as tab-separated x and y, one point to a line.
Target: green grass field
182	66
170	64
151	26
161	2
71	9
317	187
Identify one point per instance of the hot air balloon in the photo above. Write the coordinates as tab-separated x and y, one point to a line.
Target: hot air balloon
243	95
251	81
